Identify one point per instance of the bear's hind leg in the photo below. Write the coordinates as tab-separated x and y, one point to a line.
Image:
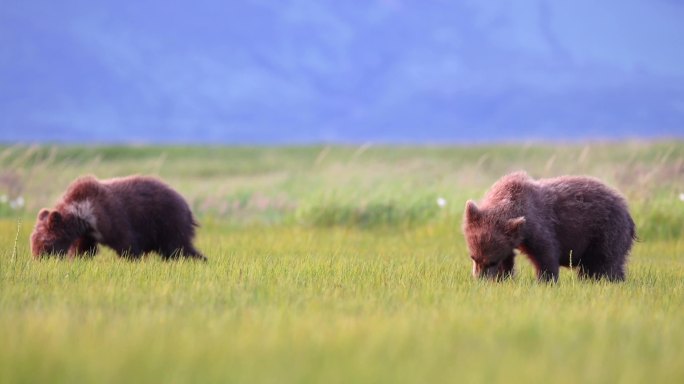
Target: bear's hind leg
191	252
607	257
129	252
597	272
181	251
602	261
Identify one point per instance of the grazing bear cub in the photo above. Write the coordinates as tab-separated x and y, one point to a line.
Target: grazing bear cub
132	215
565	221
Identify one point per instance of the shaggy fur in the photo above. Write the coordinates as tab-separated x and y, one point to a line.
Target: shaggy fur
565	221
132	215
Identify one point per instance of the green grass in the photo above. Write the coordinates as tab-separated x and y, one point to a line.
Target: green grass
336	265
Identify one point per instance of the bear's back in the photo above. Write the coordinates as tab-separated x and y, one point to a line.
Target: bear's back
581	190
147	196
584	204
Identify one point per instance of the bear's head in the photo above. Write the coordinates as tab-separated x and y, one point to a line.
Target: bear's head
491	239
53	234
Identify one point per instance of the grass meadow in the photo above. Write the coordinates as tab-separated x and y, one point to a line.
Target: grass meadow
336	264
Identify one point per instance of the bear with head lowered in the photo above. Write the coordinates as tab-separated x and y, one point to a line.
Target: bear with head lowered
569	221
132	215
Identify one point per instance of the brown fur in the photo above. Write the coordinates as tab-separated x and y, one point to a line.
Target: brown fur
132	215
552	221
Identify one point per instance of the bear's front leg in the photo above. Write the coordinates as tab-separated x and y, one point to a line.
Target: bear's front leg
547	266
126	246
506	267
548	273
544	256
83	246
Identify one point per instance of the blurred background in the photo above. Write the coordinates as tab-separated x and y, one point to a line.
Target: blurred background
392	71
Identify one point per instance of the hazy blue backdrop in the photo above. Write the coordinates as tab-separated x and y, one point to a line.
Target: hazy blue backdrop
340	71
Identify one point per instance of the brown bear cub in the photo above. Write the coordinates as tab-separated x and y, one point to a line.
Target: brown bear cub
569	221
132	215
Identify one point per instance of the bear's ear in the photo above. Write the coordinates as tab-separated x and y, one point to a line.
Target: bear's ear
55	218
43	214
513	226
472	213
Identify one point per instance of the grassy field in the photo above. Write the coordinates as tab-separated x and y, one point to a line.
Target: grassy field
336	265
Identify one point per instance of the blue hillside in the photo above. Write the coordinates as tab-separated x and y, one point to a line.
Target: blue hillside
271	72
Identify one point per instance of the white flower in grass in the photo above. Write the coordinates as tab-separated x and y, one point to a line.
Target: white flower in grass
681	196
17	203
441	202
